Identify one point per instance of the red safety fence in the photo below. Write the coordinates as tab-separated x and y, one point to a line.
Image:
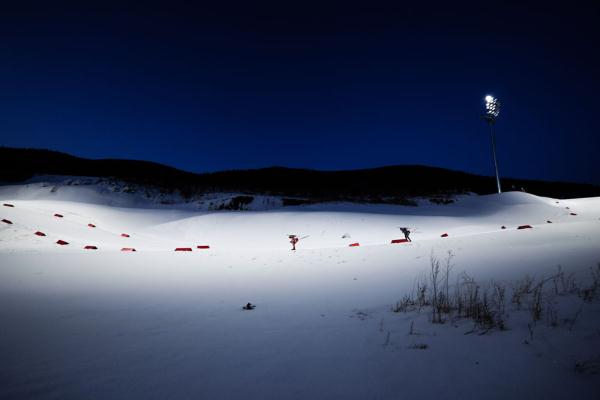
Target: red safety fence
7	205
62	242
183	249
58	215
38	233
203	247
399	240
90	248
354	245
524	227
7	221
124	235
128	249
444	235
91	225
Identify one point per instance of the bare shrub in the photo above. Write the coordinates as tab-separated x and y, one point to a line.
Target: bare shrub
422	300
589	293
484	318
536	302
499	296
521	289
406	304
564	284
485	304
469	296
446	305
434	279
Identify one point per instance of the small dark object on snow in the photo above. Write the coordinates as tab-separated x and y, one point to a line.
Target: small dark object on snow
58	215
549	222
444	235
249	306
6	221
406	233
502	227
293	240
572	213
8	205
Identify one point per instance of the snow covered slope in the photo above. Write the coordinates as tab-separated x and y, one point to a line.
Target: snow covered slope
319	226
163	324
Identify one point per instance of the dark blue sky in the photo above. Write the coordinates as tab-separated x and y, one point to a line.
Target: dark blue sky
326	85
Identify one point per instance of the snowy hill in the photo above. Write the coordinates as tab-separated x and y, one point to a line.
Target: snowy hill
332	320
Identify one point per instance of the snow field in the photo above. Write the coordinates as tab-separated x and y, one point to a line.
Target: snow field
164	324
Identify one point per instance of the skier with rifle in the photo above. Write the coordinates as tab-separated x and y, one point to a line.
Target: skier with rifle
293	240
406	233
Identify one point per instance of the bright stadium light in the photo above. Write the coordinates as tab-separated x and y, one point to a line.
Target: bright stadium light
492	110
492	107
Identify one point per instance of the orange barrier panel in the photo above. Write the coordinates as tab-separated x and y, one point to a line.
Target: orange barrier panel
354	245
128	249
524	227
58	215
7	221
183	249
203	247
400	241
7	205
91	225
40	233
445	235
90	248
124	235
62	242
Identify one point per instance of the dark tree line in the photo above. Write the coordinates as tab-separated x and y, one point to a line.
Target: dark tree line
386	184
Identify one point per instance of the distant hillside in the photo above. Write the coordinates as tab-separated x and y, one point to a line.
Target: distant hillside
385	184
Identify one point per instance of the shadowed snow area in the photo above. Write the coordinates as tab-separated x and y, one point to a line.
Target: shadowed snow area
156	324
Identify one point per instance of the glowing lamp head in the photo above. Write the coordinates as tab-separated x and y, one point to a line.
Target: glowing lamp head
492	108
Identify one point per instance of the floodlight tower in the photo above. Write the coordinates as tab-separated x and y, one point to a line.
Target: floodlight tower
492	109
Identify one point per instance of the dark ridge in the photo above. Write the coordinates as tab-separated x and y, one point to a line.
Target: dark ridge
386	184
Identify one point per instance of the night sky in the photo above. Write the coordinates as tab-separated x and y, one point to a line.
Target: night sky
325	85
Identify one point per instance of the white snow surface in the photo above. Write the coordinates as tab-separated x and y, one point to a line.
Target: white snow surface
157	324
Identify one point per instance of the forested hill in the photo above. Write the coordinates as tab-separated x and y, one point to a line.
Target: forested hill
375	184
